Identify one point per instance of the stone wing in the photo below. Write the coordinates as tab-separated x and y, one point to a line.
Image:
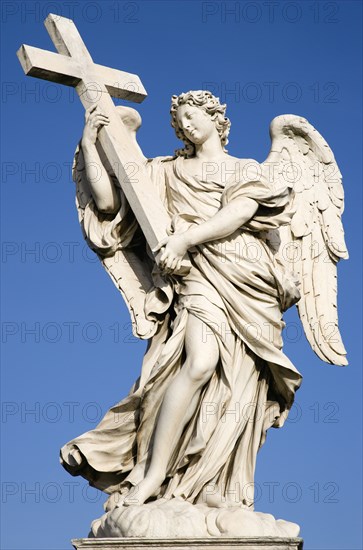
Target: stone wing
313	243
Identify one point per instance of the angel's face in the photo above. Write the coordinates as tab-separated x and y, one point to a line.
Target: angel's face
196	124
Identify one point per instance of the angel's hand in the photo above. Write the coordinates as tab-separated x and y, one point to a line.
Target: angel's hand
173	250
94	120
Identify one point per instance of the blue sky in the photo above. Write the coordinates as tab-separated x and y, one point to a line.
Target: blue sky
68	352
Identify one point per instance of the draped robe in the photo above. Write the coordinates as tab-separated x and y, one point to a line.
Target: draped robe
239	289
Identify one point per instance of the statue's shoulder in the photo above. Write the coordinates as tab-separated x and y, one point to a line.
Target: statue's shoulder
158	166
159	171
243	167
159	160
246	161
239	160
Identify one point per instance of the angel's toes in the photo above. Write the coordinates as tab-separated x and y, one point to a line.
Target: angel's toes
133	497
115	500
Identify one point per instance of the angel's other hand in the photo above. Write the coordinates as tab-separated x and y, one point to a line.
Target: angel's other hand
173	250
94	120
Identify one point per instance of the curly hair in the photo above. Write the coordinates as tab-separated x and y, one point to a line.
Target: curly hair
211	105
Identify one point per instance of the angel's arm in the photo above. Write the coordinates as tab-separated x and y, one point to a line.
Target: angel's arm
227	220
104	192
232	216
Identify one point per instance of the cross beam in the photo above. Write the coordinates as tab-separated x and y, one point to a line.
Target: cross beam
73	66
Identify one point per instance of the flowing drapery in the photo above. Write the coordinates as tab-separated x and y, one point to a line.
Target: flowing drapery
239	289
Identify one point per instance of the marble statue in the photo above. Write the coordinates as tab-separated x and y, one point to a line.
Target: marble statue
245	241
258	237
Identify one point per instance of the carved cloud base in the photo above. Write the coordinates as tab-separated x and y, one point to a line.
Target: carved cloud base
244	543
179	519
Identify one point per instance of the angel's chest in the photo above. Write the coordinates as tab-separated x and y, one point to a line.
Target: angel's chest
210	172
194	198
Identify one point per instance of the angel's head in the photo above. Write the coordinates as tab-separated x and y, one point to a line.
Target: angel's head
194	115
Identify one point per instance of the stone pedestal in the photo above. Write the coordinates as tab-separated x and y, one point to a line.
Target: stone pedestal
218	543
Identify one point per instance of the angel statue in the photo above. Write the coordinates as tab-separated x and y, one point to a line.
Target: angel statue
260	238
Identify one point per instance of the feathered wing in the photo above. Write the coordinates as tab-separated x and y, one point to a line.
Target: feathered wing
314	242
119	243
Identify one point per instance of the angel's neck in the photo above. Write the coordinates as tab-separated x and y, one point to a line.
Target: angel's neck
209	149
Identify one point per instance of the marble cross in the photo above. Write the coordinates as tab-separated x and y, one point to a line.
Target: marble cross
73	66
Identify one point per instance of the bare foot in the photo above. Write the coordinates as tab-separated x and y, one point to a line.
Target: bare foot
116	499
141	492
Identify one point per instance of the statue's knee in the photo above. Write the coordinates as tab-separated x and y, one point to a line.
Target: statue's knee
199	371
